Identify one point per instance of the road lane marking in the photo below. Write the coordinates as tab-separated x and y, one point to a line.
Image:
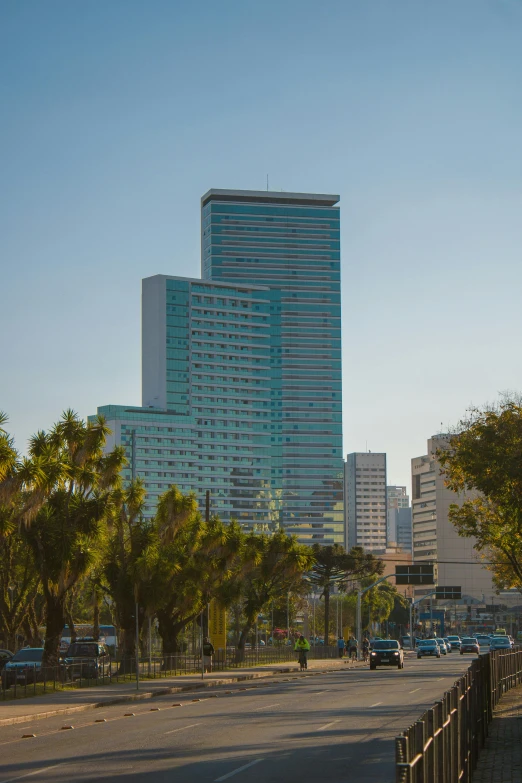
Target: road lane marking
183	728
239	769
415	690
29	774
266	707
376	704
318	693
327	726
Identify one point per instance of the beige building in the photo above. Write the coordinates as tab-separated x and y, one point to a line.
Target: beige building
393	556
365	501
435	539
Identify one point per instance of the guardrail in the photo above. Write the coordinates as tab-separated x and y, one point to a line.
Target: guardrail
35	679
444	744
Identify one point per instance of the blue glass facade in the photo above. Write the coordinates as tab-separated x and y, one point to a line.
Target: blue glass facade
290	243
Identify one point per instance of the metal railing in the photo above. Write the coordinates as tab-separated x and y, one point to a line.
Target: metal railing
443	745
35	680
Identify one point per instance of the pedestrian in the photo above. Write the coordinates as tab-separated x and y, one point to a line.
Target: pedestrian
208	654
341	644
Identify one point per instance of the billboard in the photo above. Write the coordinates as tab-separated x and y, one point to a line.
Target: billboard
414	574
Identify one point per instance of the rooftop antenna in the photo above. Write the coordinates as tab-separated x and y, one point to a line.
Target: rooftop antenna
267	182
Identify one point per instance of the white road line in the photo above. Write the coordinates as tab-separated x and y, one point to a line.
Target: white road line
376	704
266	707
239	769
183	728
34	772
318	693
415	690
327	726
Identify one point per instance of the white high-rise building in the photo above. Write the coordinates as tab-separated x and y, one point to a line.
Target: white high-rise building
399	517
435	539
365	500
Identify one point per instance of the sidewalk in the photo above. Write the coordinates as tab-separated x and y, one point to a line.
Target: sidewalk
501	758
81	699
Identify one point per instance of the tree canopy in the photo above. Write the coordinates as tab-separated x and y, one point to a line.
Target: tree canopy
484	459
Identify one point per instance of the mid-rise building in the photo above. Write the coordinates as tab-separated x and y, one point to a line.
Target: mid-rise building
399	517
435	539
365	501
246	363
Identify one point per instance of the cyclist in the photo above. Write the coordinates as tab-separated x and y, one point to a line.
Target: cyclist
302	646
365	649
352	648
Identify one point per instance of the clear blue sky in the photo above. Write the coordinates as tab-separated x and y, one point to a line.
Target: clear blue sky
117	116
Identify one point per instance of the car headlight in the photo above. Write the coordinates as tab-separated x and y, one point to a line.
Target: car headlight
395	653
373	653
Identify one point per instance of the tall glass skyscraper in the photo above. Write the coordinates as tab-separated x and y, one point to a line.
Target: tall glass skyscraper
242	369
290	243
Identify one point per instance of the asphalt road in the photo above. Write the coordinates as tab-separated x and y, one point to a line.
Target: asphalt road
336	726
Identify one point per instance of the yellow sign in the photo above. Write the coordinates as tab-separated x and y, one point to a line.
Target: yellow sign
217	625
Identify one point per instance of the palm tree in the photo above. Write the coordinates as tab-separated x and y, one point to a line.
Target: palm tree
199	560
274	566
132	548
73	500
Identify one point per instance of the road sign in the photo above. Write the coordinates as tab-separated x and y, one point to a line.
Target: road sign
453	593
414	574
217	625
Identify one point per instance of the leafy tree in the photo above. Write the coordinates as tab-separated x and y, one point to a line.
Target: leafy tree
274	566
68	529
19	584
333	565
484	458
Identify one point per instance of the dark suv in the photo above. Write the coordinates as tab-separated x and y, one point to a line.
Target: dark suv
386	652
87	659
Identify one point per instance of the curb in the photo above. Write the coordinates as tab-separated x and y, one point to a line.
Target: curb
152	695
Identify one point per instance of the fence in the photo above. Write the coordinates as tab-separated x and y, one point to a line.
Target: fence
34	679
444	744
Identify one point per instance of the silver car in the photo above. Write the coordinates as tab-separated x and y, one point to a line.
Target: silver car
442	645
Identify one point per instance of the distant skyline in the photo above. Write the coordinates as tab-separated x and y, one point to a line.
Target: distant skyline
118	117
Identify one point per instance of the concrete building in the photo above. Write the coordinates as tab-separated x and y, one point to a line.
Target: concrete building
365	501
399	517
246	363
393	556
435	539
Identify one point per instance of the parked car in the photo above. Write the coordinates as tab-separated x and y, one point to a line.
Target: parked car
427	647
5	657
386	652
469	645
442	645
500	643
87	659
455	642
23	668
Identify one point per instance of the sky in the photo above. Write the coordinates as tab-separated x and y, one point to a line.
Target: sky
117	116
